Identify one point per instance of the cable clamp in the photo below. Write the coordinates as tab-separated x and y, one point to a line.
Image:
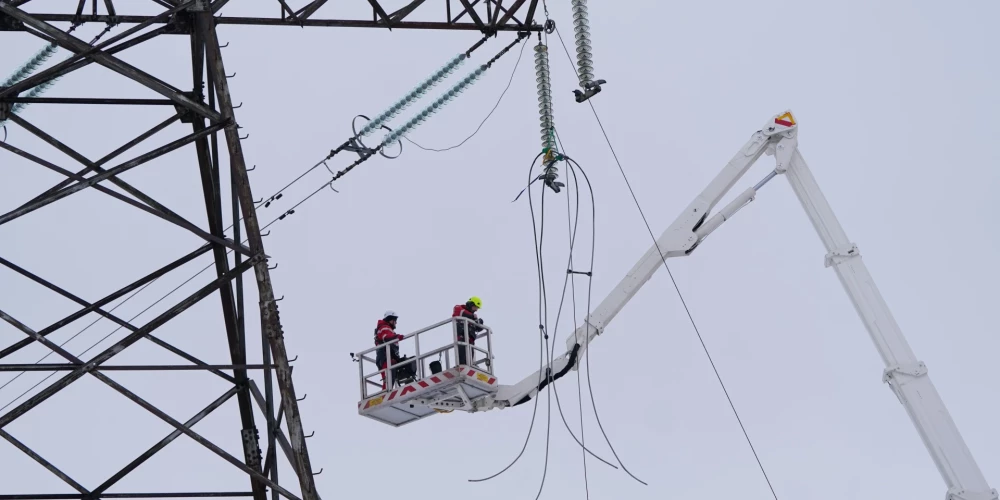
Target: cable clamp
914	370
957	493
588	273
841	255
593	88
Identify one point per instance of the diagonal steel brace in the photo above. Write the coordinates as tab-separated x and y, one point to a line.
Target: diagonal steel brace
78	46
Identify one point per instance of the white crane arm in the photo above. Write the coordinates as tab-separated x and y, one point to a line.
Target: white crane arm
906	376
678	240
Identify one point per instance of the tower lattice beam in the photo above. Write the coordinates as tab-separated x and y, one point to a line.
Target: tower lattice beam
189	118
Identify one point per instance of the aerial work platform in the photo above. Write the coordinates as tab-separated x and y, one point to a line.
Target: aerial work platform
439	384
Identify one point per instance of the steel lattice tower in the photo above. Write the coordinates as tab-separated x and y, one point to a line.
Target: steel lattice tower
207	108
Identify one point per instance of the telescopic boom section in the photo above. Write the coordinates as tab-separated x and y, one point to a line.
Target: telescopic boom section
678	240
906	376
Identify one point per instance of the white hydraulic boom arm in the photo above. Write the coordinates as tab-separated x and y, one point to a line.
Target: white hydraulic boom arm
906	376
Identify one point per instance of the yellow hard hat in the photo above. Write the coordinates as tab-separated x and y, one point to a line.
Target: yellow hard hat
476	301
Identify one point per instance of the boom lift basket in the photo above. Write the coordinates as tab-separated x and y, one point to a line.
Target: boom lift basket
440	384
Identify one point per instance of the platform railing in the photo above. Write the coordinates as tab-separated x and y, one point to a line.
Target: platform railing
444	353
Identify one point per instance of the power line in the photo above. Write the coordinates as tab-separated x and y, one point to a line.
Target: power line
541	358
674	281
586	347
545	330
572	223
539	235
572	277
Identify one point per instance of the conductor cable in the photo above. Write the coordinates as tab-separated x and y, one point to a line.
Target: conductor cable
680	295
541	356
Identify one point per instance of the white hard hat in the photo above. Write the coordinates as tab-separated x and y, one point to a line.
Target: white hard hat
390	313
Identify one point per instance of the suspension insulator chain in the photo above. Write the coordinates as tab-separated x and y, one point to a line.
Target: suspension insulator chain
33	64
584	52
448	96
543	81
420	90
413	95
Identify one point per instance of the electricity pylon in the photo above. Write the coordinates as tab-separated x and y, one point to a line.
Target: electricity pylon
207	108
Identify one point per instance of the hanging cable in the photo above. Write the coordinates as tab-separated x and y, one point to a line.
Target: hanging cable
544	327
573	221
587	342
676	288
572	164
541	356
572	277
539	238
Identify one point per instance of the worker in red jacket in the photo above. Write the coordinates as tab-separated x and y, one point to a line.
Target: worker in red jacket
385	331
467	310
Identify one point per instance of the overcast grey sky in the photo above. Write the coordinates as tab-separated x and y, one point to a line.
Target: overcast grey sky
897	107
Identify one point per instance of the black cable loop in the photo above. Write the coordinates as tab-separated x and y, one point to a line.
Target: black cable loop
572	244
593	244
676	286
572	225
541	358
